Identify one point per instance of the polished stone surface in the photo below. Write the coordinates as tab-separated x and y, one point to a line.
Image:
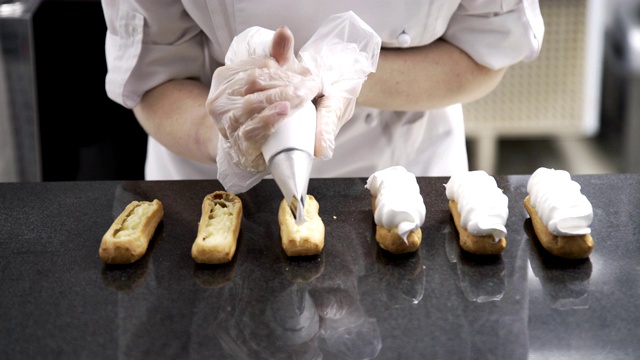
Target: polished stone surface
58	300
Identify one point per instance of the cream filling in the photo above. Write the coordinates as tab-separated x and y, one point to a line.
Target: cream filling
483	207
399	203
563	209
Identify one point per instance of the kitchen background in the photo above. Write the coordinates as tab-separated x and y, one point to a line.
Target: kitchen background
573	108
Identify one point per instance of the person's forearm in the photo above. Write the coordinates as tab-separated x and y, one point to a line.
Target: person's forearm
428	77
175	114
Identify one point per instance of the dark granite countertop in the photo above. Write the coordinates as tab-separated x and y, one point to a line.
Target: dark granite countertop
355	301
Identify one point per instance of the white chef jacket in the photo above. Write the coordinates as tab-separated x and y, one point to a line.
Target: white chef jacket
149	42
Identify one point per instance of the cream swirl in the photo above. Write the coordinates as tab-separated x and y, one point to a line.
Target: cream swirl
483	206
563	209
398	200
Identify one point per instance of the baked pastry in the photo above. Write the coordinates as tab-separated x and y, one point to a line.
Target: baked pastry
218	228
560	214
480	210
398	209
305	239
128	237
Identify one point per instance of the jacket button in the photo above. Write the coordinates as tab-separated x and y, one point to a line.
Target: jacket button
404	39
370	120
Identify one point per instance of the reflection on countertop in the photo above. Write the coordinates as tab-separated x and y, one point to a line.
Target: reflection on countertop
354	301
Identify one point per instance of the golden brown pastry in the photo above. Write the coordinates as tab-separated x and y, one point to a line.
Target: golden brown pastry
390	240
128	237
218	228
480	210
479	245
560	214
301	240
569	247
398	209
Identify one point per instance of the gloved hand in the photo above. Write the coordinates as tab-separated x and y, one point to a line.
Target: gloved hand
250	97
333	112
340	55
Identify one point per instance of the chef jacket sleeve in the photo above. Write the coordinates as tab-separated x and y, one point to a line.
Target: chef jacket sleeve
149	42
495	33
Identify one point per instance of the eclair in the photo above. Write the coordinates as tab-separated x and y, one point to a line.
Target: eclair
560	214
218	228
128	238
305	239
398	209
480	211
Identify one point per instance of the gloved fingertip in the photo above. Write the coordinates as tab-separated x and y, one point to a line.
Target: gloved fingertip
282	45
323	148
282	108
326	154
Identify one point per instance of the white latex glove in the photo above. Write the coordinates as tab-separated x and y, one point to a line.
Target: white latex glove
340	55
250	97
333	112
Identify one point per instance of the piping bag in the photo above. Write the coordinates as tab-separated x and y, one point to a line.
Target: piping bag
342	52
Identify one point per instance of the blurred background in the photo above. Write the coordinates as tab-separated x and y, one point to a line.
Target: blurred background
577	107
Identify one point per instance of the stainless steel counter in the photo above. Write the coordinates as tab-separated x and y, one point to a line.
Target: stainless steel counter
355	301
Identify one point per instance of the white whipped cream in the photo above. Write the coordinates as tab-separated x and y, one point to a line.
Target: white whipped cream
398	200
563	209
483	206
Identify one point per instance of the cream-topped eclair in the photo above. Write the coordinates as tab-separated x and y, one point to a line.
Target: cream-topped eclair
480	211
398	209
560	213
